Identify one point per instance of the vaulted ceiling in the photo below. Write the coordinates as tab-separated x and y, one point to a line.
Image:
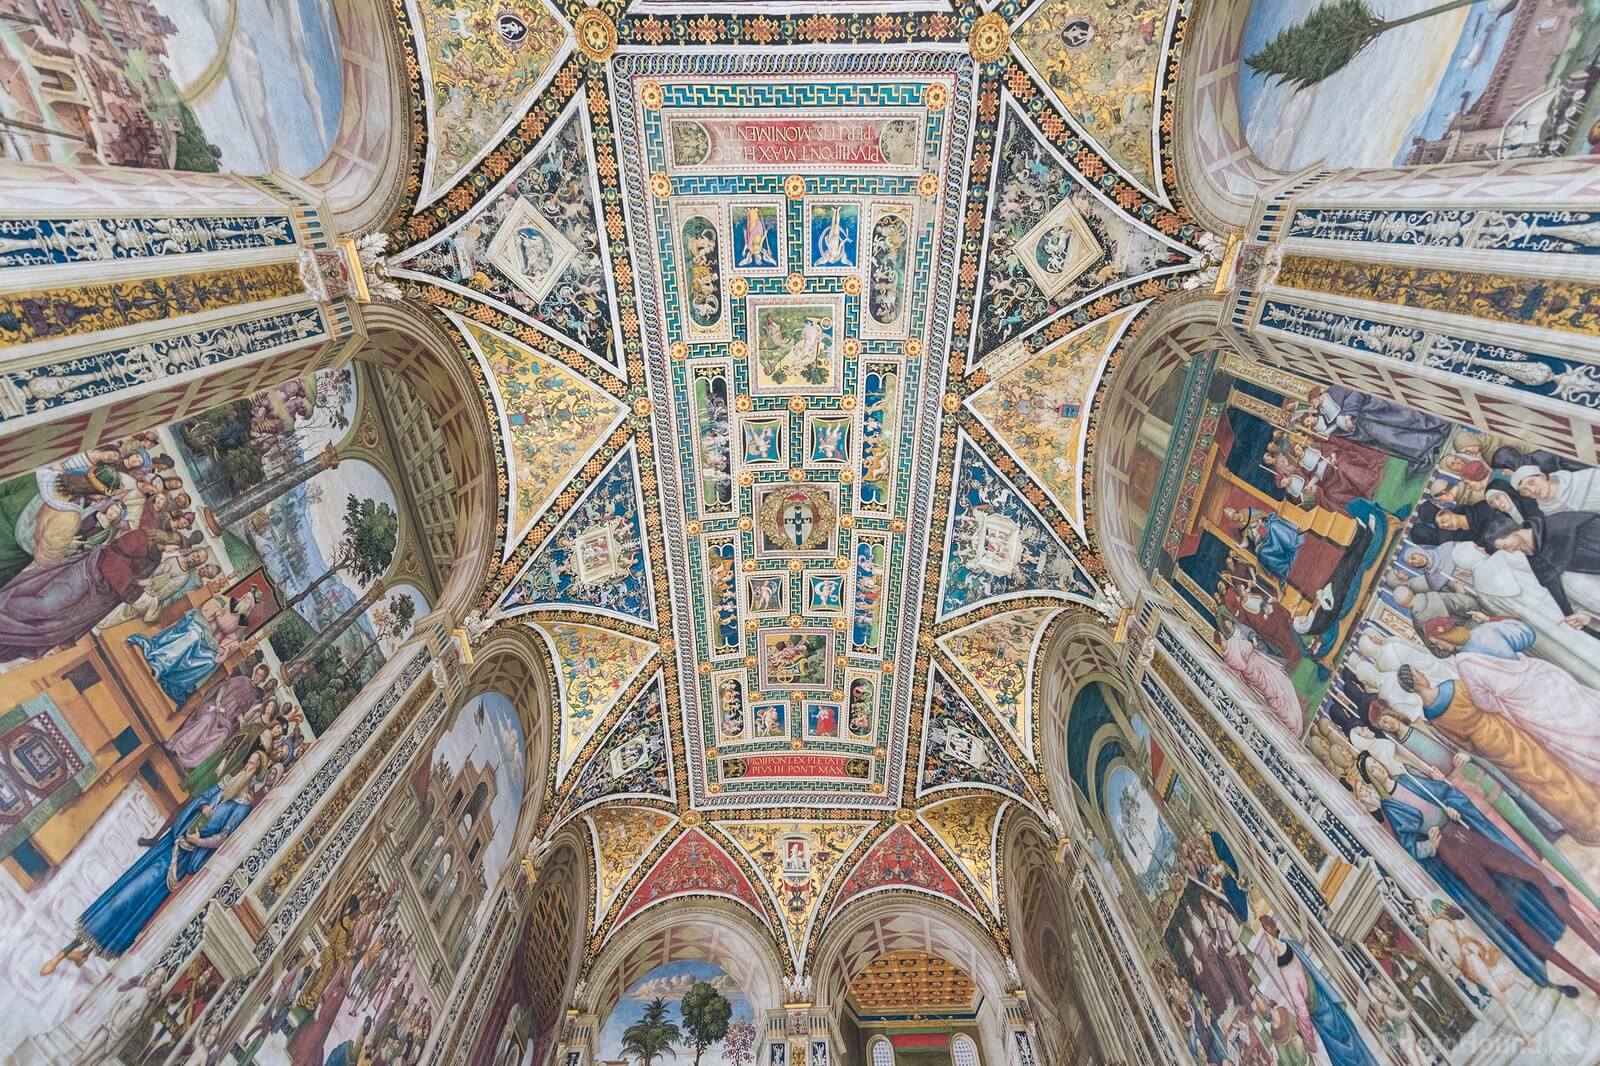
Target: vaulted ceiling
792	326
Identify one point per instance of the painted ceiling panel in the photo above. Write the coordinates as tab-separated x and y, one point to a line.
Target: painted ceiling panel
481	66
997	655
900	860
635	761
594	667
968	827
911	980
792	352
596	560
622	838
1054	239
551	420
796	861
534	247
959	750
1103	61
1037	406
799	215
692	865
997	544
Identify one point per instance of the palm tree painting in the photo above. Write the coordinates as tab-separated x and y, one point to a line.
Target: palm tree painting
685	1013
1381	83
1334	34
652	1036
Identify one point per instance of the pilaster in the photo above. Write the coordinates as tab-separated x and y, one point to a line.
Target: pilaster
1466	290
131	298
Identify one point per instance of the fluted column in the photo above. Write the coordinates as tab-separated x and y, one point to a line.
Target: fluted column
131	298
578	1045
1467	290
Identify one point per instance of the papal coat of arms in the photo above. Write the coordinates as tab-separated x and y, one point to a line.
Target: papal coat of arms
801	518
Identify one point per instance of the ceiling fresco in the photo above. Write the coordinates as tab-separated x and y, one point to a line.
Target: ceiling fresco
765	332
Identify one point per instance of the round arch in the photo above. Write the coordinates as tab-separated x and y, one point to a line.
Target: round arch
512	662
551	952
708	930
362	178
429	357
1133	427
882	923
1080	651
1036	891
1219	175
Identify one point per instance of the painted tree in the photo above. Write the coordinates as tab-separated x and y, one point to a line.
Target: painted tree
1334	34
739	1046
390	621
653	1035
366	549
705	1016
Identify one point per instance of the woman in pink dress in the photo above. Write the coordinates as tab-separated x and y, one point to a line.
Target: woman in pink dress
1263	675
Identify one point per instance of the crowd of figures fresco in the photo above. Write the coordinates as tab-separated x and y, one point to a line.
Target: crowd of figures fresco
372	969
1471	693
1414	602
792	355
1302	491
1483	80
1239	984
183	612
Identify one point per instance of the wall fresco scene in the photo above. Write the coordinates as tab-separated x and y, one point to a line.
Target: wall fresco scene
1460	81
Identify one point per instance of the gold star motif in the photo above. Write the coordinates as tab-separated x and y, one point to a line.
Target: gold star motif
597	36
990	37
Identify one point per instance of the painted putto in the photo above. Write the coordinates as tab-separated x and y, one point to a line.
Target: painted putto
893	532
